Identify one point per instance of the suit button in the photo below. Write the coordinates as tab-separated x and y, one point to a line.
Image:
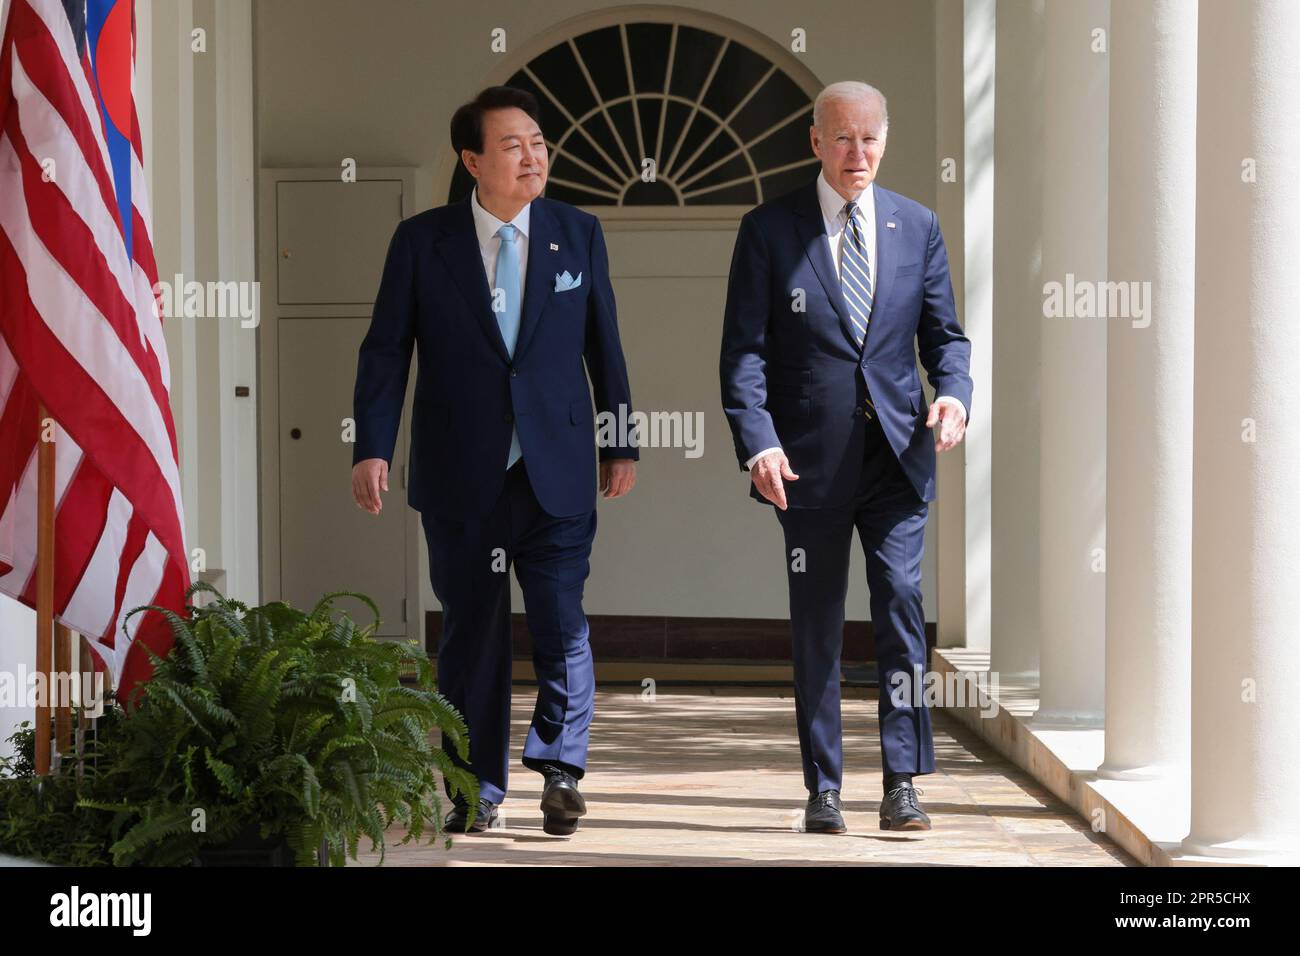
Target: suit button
513	373
857	411
509	417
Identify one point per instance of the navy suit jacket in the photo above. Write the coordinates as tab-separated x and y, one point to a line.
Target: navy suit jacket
795	379
469	392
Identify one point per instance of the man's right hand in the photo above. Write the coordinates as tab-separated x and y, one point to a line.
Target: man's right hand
369	477
769	474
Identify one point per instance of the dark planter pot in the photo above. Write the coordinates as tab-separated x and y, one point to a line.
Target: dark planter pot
247	848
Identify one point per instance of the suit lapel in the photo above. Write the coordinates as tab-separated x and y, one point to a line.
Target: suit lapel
886	255
539	283
812	233
460	250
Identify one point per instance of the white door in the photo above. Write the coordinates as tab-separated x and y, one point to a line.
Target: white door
331	238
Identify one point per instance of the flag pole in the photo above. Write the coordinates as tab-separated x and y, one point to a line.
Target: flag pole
63	704
86	668
44	589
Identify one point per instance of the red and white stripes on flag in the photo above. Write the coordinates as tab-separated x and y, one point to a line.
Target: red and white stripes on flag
79	332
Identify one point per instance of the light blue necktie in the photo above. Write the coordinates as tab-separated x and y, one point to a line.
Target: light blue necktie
506	303
855	275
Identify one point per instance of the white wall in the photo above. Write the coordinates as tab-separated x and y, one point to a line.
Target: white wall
17	654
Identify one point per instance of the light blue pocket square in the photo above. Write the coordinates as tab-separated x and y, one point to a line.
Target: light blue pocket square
564	282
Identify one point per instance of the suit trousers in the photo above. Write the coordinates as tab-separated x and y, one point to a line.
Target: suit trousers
469	566
890	520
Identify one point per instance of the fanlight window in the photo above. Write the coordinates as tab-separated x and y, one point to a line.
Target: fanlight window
663	114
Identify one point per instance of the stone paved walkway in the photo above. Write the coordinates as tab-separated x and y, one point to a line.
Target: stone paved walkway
703	776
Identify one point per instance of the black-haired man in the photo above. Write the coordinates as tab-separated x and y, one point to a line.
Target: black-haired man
505	296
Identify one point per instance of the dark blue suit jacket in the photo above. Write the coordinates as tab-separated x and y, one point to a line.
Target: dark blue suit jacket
469	393
796	379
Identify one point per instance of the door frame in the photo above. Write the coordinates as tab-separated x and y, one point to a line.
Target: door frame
268	342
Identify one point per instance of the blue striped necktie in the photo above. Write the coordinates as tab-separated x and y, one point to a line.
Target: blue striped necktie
507	307
855	275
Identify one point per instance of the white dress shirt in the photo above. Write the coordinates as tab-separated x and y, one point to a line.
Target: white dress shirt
835	221
489	243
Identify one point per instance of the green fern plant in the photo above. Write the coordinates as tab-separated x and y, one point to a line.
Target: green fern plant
296	722
39	816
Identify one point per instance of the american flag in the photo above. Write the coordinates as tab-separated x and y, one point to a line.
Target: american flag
79	332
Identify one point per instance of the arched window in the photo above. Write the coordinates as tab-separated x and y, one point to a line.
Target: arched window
662	114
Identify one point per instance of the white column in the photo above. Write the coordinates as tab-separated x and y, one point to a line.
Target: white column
948	513
1245	795
1017	303
169	170
235	192
965	39
979	36
200	162
1152	246
1072	464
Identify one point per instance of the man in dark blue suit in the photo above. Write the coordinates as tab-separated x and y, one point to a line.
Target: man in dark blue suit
506	299
832	289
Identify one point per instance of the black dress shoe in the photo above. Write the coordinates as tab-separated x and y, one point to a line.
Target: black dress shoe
822	815
900	810
562	804
459	816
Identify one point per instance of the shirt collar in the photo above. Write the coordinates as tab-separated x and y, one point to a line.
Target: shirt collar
486	224
832	203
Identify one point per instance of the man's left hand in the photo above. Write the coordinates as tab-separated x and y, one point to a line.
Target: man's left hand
952	424
617	477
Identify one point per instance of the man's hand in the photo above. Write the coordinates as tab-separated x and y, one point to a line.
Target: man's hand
769	474
952	424
617	477
369	477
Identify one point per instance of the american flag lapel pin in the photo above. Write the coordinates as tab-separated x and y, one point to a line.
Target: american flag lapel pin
890	225
554	247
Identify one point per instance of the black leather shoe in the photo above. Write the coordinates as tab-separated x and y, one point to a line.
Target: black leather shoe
822	815
459	816
900	810
562	804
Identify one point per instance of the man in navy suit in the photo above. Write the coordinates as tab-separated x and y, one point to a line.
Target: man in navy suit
506	299
831	288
